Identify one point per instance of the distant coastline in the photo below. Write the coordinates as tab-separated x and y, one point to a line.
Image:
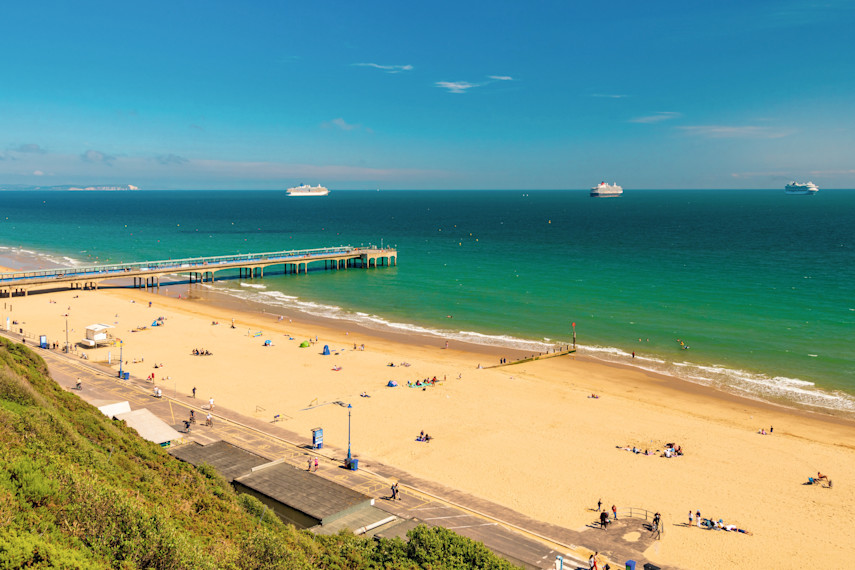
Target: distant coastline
70	188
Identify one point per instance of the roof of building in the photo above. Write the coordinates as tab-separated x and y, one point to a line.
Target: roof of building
359	522
229	460
305	492
149	426
111	409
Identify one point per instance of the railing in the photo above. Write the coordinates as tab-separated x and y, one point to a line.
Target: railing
638	513
175	264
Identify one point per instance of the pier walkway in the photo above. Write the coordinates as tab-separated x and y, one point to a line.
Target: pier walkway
147	273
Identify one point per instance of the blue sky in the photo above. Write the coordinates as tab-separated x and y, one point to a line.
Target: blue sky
440	95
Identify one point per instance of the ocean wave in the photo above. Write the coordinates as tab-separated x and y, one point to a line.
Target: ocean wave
375	322
40	259
777	389
253	285
757	386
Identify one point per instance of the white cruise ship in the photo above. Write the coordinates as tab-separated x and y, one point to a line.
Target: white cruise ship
603	190
306	190
799	188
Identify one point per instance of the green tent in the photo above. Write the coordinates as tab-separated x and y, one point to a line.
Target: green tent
305	344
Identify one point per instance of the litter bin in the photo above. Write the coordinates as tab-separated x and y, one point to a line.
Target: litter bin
354	464
649	566
126	376
630	565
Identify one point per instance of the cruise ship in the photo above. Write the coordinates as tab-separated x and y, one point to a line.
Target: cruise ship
306	190
603	190
799	188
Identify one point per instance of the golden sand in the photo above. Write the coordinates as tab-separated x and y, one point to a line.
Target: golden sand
524	436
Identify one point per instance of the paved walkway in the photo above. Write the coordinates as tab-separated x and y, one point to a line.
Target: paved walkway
520	539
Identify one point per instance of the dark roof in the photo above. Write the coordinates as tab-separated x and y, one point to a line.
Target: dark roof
230	461
308	493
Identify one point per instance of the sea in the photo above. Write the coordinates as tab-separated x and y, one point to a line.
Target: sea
749	291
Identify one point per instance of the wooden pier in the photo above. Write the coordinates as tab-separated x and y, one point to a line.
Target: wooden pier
145	274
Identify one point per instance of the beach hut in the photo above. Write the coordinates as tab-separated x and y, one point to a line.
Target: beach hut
326	350
95	335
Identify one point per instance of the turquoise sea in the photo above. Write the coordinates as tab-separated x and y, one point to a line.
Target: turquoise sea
760	285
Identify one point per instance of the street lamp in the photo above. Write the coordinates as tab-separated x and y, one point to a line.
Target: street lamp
66	332
121	360
349	457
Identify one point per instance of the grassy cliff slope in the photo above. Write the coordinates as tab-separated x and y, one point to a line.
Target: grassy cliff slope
78	490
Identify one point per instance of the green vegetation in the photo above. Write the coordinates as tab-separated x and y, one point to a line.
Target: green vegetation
78	490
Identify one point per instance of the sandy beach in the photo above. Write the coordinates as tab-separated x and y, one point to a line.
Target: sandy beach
527	436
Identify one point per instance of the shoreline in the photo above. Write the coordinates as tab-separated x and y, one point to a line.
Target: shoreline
503	434
18	259
220	300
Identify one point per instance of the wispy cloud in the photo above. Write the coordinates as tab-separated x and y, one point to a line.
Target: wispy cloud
734	132
656	118
170	159
97	157
387	68
194	173
343	125
30	148
831	172
464	86
457	86
609	95
774	175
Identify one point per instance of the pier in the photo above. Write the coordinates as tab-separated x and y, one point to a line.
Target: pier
146	274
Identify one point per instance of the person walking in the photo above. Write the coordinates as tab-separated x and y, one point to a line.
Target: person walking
194	391
614	511
309	466
209	421
604	519
599	505
698	518
690	517
211	404
316	463
394	491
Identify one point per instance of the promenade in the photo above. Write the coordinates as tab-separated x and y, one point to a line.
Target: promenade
520	539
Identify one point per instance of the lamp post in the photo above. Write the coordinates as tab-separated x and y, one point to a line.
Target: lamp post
121	360
66	332
349	457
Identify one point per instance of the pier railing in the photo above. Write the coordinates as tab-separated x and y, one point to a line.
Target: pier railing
177	264
147	273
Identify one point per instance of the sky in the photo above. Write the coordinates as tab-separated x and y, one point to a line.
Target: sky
428	95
